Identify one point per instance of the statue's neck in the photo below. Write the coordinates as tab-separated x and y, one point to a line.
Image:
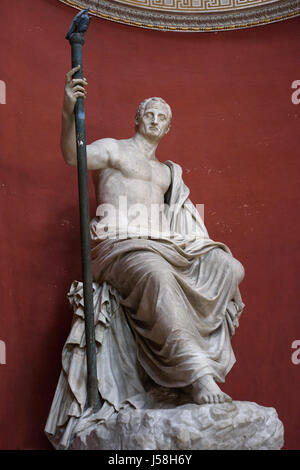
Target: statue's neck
145	145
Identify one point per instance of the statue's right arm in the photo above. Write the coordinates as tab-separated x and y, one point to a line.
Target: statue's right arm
97	152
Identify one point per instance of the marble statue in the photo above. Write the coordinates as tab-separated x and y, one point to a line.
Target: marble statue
166	296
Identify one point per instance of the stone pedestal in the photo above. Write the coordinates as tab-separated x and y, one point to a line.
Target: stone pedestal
237	425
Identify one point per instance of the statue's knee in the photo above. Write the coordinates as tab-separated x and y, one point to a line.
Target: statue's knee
160	277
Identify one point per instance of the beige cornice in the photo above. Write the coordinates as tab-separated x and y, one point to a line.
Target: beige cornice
186	16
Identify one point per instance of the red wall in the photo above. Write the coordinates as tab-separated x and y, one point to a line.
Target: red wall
235	132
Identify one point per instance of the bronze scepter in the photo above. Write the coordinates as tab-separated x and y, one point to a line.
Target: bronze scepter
75	35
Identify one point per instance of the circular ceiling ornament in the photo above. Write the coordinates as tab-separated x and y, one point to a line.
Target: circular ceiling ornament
191	15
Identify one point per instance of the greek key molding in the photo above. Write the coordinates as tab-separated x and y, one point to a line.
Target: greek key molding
191	15
195	6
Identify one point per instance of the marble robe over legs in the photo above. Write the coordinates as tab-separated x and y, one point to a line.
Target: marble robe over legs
165	305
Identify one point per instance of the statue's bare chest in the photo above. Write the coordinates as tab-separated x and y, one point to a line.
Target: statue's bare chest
136	167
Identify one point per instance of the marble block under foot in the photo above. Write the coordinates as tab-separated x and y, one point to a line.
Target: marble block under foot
237	425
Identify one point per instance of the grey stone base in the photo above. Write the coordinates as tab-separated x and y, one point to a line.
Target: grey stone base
237	425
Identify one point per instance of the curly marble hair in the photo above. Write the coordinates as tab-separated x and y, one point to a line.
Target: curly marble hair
141	108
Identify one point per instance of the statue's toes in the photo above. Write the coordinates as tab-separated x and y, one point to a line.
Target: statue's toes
216	398
221	398
213	398
208	399
227	398
201	400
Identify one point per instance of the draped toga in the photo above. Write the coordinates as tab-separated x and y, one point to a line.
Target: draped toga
166	306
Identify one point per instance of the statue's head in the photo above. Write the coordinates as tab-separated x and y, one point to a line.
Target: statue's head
153	118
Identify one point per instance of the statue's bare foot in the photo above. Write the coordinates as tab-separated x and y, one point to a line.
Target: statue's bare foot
205	390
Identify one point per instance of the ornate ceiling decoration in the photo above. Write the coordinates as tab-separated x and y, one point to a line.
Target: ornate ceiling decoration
191	15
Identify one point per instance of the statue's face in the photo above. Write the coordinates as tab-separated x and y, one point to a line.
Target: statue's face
154	123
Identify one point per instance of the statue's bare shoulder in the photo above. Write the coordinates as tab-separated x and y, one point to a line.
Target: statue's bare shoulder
122	155
102	153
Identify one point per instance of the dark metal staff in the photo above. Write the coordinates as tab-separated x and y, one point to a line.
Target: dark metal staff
75	36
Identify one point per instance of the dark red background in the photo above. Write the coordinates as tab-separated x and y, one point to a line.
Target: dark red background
235	132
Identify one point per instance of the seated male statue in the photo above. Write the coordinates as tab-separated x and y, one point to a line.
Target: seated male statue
179	287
